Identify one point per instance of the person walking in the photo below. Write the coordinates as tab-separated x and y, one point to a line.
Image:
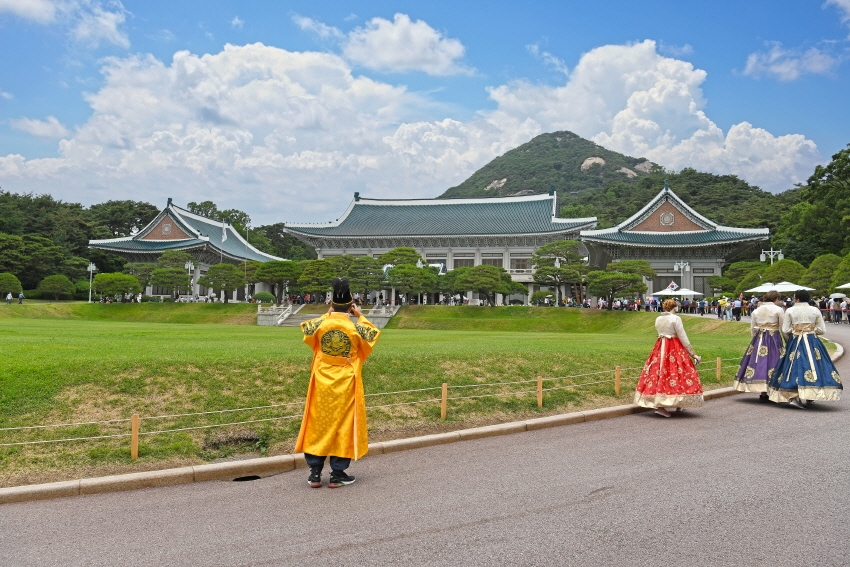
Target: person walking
334	422
836	311
765	350
21	298
805	372
669	378
9	298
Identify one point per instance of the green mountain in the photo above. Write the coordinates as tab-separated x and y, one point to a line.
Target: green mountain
562	160
592	181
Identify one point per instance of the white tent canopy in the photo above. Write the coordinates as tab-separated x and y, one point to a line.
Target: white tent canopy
780	287
845	286
680	291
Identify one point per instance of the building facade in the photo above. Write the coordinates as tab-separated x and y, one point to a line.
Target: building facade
208	241
681	245
456	233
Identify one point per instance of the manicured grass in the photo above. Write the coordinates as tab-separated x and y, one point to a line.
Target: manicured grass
221	313
72	370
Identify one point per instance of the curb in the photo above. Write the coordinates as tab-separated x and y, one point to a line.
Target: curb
267	466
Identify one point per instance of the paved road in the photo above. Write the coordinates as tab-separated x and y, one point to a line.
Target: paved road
736	483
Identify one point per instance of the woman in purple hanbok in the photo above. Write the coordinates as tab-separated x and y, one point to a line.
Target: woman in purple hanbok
765	349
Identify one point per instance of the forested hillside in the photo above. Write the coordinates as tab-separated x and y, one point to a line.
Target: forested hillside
562	160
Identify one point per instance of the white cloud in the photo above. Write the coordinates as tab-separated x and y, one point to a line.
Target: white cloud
95	24
7	96
324	31
291	135
675	50
789	64
237	23
88	21
40	11
50	128
165	36
843	7
555	62
403	45
630	99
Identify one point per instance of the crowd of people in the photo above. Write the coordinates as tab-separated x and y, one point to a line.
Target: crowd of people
785	361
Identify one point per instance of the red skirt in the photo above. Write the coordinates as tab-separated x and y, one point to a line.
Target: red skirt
669	378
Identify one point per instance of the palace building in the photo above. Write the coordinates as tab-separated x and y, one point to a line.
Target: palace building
503	232
681	245
208	241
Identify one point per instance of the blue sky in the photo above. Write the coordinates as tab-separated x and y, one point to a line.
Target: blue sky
284	109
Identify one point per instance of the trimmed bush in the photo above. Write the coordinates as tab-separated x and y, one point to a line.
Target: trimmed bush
264	296
56	286
9	284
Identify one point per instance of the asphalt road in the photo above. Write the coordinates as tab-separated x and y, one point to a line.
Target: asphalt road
737	483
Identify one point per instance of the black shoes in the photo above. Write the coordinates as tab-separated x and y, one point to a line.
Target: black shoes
797	403
315	480
339	479
763	397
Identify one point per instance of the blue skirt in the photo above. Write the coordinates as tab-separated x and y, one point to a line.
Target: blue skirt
759	362
806	371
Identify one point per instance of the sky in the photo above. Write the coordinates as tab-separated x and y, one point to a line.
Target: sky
285	109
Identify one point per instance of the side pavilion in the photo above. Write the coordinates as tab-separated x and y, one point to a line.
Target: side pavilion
208	241
681	245
500	231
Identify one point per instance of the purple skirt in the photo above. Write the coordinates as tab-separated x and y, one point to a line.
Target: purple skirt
759	362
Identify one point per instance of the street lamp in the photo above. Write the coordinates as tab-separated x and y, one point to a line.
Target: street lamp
681	267
190	267
91	270
771	253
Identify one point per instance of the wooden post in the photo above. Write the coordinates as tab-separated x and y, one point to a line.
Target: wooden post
540	391
617	374
444	401
719	366
134	437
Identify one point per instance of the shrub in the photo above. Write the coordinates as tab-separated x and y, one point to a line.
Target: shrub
9	284
57	286
264	296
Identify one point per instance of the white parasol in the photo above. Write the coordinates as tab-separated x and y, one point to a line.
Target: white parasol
781	287
845	286
680	291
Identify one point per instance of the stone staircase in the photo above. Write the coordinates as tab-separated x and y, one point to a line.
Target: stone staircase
297	319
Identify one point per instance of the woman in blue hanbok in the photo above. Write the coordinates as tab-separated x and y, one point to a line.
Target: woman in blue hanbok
765	350
806	372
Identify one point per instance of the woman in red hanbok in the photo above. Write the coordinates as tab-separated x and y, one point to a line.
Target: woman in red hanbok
669	378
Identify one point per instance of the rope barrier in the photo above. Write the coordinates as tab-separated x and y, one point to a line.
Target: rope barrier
222	411
62	440
405	403
402	391
217	425
64	424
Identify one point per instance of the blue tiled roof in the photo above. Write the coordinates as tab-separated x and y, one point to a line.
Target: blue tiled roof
722	235
446	217
205	232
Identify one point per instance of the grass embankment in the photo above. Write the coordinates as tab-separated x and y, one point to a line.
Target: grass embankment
213	313
69	371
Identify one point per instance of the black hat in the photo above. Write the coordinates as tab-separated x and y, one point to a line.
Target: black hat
342	293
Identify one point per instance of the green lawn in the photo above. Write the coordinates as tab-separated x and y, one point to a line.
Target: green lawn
83	365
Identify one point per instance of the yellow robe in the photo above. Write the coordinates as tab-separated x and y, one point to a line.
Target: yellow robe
334	420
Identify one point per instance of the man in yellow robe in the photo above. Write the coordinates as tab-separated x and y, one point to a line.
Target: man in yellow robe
334	422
